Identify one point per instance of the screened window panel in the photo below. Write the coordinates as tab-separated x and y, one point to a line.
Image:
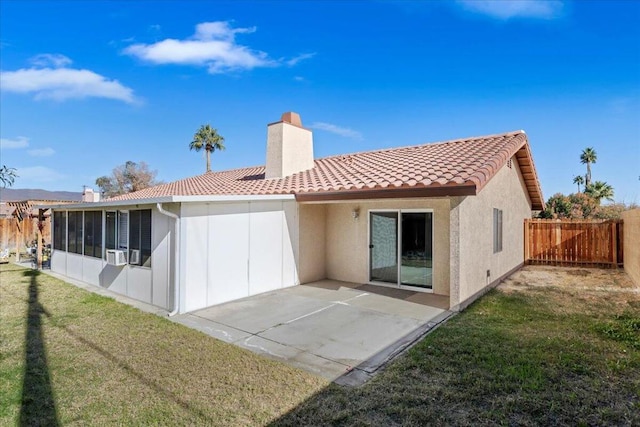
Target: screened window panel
123	230
134	232
140	235
145	238
110	230
88	233
97	234
60	231
75	232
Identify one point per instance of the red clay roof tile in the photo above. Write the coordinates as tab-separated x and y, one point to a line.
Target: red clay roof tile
469	162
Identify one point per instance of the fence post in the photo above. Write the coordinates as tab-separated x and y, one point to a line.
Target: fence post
614	237
526	240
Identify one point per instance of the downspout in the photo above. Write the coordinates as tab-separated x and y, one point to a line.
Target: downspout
176	270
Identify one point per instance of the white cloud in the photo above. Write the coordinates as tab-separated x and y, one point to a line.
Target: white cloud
298	78
507	9
19	142
39	174
64	83
214	46
294	61
41	152
50	60
338	130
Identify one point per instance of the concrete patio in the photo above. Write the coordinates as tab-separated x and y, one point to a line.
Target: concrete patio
341	331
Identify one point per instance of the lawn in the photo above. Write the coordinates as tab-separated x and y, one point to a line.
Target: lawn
68	356
550	347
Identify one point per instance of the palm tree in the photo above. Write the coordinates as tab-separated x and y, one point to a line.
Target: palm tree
587	157
600	190
578	179
7	176
207	138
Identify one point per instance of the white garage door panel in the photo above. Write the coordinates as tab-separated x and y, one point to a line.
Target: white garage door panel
228	252
196	239
265	250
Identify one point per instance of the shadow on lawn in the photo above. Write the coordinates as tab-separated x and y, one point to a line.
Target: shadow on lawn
38	404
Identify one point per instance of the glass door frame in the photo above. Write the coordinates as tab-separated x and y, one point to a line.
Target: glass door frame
399	284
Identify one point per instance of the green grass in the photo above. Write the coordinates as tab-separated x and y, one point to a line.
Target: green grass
526	357
531	355
68	356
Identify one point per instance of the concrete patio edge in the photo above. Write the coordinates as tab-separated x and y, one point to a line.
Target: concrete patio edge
362	373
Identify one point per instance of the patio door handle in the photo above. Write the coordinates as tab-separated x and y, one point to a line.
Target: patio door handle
370	246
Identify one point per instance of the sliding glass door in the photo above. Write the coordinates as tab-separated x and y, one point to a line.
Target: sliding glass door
401	248
383	247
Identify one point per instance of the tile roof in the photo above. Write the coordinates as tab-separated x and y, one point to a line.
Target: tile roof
457	167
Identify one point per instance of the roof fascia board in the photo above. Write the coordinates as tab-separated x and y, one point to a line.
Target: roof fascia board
169	199
388	193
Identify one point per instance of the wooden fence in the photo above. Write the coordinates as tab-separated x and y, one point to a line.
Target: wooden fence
18	235
593	243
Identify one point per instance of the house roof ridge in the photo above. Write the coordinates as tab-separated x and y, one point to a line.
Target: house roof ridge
442	142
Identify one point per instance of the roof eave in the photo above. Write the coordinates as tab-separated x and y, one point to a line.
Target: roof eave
169	199
387	193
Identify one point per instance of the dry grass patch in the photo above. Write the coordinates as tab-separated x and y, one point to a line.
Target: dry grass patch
549	347
71	357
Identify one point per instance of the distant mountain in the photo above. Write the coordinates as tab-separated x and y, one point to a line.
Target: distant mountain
19	194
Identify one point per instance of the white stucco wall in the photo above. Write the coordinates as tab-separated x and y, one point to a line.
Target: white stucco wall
347	245
233	250
150	285
472	225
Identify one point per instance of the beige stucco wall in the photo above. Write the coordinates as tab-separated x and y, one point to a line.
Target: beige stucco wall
312	263
347	246
289	150
472	228
631	247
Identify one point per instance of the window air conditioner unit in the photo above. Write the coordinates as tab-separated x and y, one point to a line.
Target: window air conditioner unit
134	258
115	257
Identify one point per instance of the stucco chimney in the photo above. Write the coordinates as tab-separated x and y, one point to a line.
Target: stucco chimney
88	195
289	147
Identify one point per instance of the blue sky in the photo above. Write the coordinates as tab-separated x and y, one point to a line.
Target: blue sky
86	86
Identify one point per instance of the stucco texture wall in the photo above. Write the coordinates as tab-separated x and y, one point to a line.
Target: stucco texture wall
347	246
474	231
632	244
312	261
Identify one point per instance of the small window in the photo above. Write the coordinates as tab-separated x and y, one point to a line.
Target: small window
60	231
140	237
74	234
497	230
93	234
123	230
110	230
